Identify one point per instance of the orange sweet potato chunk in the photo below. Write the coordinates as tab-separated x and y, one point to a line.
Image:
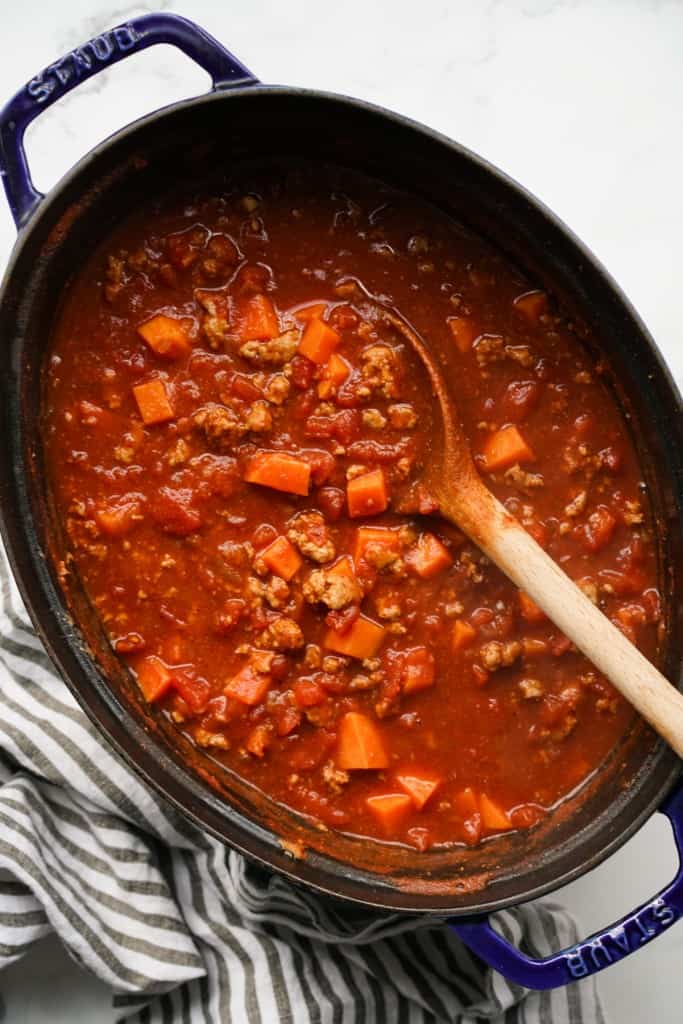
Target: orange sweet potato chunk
359	744
153	402
362	640
166	336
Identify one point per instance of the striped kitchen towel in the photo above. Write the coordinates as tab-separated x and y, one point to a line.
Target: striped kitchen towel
185	930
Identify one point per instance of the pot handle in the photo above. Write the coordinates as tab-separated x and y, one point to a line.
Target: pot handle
82	63
595	953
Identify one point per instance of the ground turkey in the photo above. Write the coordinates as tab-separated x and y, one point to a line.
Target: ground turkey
275	351
311	535
333	589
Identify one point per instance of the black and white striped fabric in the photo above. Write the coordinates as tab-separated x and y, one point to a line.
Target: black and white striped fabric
184	930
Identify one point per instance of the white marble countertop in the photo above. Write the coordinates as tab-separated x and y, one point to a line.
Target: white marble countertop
580	100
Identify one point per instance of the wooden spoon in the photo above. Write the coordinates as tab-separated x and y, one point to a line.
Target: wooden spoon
450	477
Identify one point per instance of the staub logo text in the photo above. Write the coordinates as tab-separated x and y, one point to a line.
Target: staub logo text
80	63
599	952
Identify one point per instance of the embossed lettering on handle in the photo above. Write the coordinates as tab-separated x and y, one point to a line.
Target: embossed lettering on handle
82	63
595	953
69	70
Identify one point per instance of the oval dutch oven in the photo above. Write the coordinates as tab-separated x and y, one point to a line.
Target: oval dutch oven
239	120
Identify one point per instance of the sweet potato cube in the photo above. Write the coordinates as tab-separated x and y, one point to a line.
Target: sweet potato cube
493	817
313	311
282	558
280	471
532	305
258	320
248	686
153	678
419	786
463	635
335	372
390	810
463	332
367	495
153	402
418	670
318	341
529	609
342	567
428	556
376	537
166	336
504	448
362	640
359	744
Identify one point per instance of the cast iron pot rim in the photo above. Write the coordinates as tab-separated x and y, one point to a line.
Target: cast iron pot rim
125	725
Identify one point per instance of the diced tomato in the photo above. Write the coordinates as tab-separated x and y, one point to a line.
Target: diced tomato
166	336
242	386
343	426
420	787
280	471
532	305
463	635
195	691
390	810
249	685
361	641
153	677
311	750
153	402
308	693
172	510
504	448
258	320
367	495
529	610
119	519
282	558
463	331
303	371
183	247
428	557
597	531
318	341
359	744
230	614
520	398
331	502
341	620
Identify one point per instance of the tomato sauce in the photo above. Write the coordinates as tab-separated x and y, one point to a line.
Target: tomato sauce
234	442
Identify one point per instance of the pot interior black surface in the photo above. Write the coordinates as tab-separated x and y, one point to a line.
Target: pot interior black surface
193	141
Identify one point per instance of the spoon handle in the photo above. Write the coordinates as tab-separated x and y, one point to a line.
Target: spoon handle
515	551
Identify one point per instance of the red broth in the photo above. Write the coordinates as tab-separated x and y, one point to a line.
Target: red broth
234	445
